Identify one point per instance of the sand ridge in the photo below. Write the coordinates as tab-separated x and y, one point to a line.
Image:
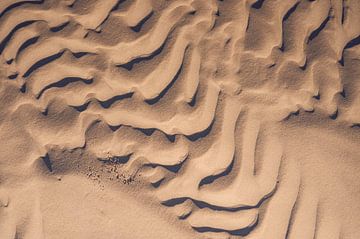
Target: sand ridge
201	115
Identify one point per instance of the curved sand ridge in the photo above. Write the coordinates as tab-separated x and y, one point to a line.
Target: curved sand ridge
199	99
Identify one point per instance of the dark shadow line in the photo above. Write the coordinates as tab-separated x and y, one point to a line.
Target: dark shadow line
356	125
108	103
81	108
60	27
157	183
167	88
194	98
45	112
334	115
172	168
303	67
174	201
129	65
116	159
8	37
117	5
343	93
147	132
290	11
27	43
201	204
23	88
258	4
217	12
175	168
317	31
291	219
18	4
317	97
64	82
210	179
47	161
239	232
170	137
13	76
80	54
106	18
201	134
285	18
353	42
9	61
343	12
137	27
114	127
350	44
43	62
291	114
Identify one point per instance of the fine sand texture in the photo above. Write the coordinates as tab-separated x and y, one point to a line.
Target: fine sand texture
179	119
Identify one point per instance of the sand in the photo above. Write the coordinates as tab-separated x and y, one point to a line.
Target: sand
180	119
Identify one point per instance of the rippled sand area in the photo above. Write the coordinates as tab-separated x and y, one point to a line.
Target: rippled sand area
175	119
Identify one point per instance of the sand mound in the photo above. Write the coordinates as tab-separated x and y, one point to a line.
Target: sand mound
180	119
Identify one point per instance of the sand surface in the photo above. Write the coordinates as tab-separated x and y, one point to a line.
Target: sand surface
175	119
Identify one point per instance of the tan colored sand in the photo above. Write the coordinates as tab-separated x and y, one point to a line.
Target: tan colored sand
180	119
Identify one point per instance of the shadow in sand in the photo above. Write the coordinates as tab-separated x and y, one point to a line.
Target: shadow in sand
43	62
138	27
210	179
63	83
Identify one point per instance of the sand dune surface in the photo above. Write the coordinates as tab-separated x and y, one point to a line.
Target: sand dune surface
182	119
